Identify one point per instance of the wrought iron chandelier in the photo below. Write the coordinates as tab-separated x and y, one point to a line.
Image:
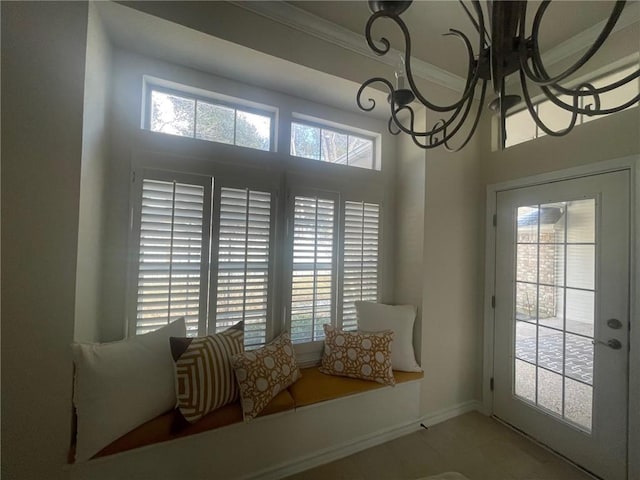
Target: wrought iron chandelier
506	50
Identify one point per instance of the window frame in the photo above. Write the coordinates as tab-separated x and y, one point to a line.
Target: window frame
221	182
286	294
138	178
539	133
343	201
376	161
236	104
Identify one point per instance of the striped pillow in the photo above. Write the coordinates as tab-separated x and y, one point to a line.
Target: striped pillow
204	377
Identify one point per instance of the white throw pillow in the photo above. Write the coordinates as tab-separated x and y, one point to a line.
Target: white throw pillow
373	317
121	385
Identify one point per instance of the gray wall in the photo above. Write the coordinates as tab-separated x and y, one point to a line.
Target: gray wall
42	104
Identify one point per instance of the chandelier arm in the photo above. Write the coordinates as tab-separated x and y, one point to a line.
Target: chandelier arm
536	118
372	102
390	124
436	129
475	122
383	40
545	79
472	71
589	90
483	33
441	126
412	134
612	86
587	111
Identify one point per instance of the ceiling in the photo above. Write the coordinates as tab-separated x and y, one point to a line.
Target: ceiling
131	29
428	20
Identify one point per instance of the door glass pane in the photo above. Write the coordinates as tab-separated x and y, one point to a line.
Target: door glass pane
526	301
581	221
580	307
554	308
579	358
578	399
581	266
525	380
550	390
527	263
528	224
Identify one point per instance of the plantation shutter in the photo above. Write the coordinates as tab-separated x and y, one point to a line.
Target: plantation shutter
173	242
243	262
312	289
360	258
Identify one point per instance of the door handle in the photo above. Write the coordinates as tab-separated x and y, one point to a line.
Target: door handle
611	343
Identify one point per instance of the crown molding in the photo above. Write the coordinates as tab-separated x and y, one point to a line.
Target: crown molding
308	23
629	16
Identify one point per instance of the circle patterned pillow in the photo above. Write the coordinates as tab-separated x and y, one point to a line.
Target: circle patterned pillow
363	355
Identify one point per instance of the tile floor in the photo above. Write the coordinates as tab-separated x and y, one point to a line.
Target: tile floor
479	447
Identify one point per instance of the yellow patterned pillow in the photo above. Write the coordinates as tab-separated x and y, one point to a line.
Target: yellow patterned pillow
363	355
264	373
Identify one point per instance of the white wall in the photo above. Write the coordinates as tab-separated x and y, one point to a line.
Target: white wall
42	104
452	321
439	262
93	204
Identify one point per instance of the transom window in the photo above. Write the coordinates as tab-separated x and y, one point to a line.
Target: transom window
522	128
332	146
178	113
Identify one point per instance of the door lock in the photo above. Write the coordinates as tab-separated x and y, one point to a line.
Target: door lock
614	323
611	343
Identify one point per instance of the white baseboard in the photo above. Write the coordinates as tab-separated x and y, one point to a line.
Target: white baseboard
336	452
453	411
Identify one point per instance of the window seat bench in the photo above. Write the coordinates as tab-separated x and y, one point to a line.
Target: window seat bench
313	388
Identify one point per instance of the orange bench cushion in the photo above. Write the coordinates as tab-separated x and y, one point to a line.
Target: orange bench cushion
313	387
160	428
316	387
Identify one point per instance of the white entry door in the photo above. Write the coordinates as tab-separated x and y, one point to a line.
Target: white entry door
562	317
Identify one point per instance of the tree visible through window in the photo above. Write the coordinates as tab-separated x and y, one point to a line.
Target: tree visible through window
196	118
327	145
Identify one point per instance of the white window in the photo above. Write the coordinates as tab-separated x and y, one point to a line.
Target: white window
182	221
179	113
314	266
360	258
243	262
333	146
521	127
173	222
218	247
173	251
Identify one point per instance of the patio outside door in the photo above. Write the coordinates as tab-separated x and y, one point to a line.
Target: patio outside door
562	317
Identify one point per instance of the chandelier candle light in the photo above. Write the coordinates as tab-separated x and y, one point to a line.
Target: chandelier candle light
506	51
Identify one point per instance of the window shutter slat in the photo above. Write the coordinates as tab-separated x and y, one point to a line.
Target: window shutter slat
243	262
170	253
312	276
360	258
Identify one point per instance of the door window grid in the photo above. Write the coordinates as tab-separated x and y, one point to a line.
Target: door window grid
554	357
